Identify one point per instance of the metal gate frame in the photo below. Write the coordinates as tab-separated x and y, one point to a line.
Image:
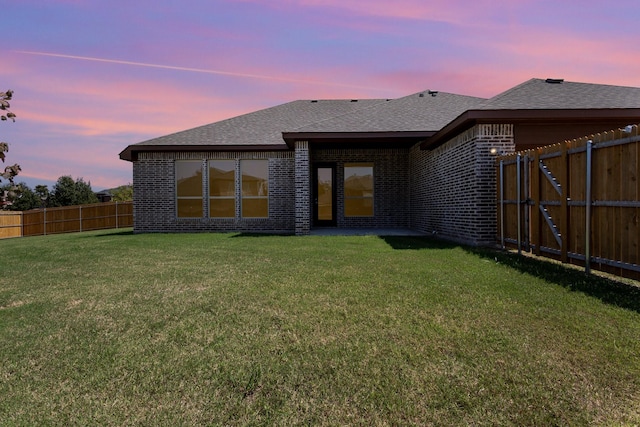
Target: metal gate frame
527	211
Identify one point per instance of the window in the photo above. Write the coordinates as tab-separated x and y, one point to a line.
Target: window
222	188
255	188
189	189
358	189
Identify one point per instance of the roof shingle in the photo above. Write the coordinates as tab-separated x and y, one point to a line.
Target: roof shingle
262	127
538	94
422	111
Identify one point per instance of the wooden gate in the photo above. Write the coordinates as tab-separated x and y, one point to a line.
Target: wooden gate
578	202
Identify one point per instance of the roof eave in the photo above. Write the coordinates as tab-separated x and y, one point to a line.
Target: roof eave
131	152
356	137
473	117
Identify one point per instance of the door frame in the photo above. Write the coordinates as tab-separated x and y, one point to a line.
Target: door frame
314	194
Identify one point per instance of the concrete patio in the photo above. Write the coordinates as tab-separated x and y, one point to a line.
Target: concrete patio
332	231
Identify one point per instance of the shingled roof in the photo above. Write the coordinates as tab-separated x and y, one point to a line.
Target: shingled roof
545	101
261	129
428	116
550	94
397	123
423	111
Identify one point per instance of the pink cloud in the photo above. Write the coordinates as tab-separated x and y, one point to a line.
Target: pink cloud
91	165
76	115
549	53
96	107
500	34
458	12
73	123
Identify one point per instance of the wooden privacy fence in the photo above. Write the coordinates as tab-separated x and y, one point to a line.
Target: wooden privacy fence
66	219
578	201
10	224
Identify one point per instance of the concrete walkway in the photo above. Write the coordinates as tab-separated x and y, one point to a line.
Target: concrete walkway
331	231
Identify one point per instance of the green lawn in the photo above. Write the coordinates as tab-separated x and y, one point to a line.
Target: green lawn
112	328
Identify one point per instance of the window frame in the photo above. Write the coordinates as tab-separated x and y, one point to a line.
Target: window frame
213	198
348	198
179	197
251	197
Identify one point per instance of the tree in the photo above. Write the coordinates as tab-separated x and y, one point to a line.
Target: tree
42	191
9	171
124	193
21	197
67	192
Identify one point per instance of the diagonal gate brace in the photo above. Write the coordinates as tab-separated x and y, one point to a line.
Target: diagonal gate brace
552	179
551	224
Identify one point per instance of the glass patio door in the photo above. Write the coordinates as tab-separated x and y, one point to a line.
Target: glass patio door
324	189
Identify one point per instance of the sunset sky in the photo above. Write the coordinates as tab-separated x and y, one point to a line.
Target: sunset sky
91	77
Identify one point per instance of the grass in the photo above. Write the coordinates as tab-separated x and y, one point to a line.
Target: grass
112	328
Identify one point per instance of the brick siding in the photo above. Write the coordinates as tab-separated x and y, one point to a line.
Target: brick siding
390	185
155	200
449	191
302	189
453	187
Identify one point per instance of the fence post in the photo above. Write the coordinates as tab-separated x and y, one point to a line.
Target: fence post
117	215
536	234
587	206
527	217
80	214
518	201
564	205
44	220
502	204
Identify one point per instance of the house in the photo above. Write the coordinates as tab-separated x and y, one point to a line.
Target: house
424	162
104	196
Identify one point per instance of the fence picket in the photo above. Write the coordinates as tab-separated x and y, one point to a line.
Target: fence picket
628	191
577	192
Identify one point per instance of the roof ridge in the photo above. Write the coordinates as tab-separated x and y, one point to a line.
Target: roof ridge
217	122
595	84
388	101
507	92
561	94
233	118
382	100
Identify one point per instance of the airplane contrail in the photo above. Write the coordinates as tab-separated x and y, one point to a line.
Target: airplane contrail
193	70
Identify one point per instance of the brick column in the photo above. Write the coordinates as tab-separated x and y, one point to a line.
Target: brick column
302	185
492	139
